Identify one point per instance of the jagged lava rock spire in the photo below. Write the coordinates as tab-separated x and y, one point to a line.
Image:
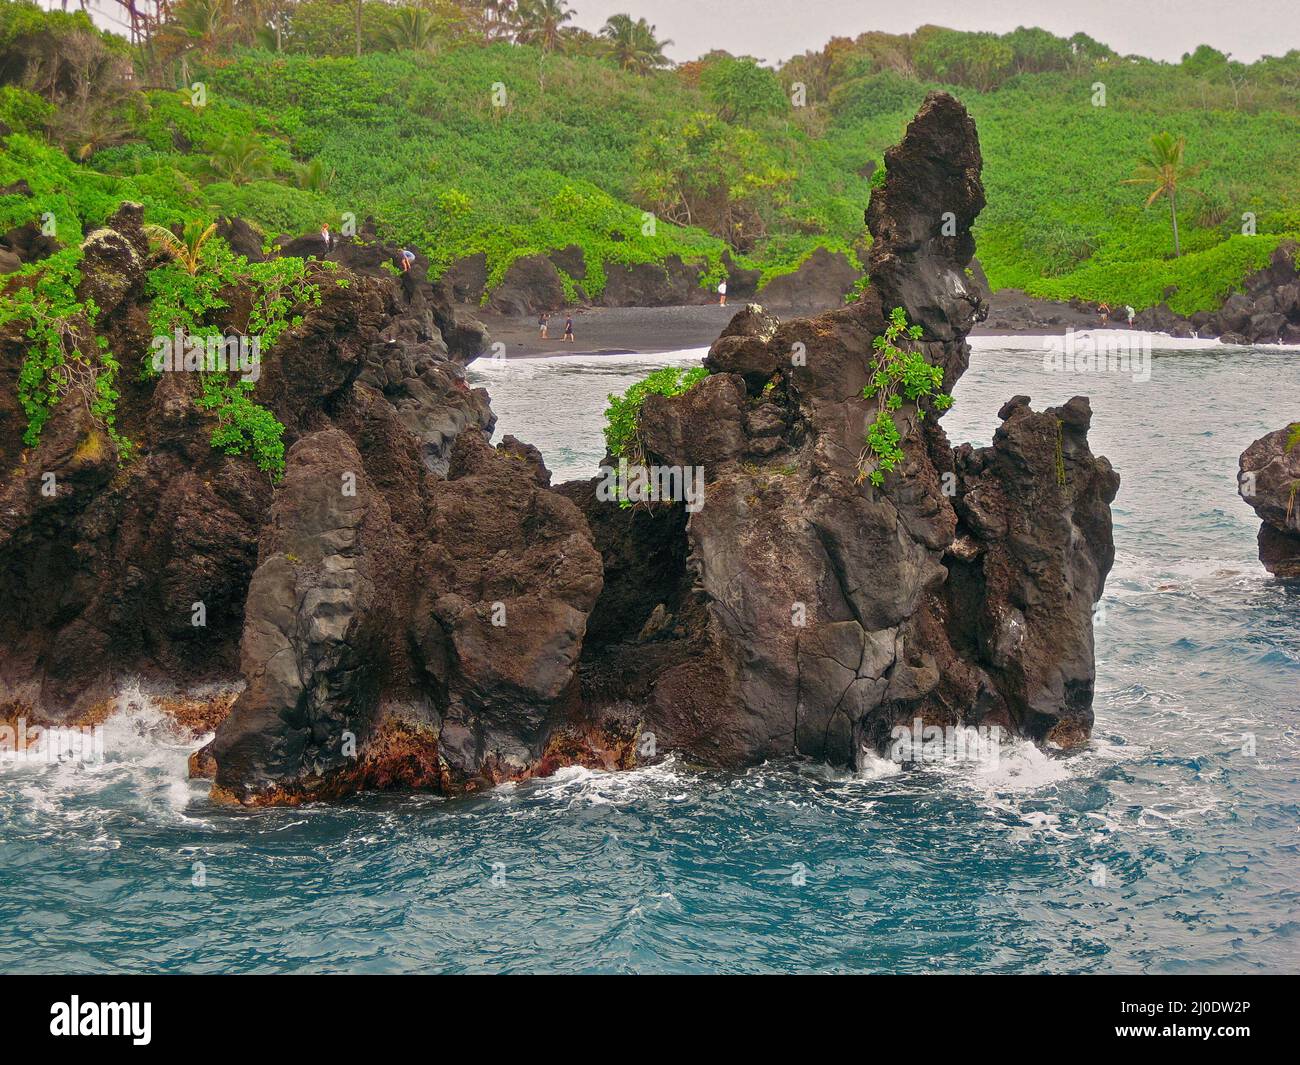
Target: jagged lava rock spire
812	611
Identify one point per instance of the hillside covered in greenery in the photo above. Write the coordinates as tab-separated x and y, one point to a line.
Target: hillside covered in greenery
468	128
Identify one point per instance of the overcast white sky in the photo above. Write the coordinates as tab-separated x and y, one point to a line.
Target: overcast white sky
774	30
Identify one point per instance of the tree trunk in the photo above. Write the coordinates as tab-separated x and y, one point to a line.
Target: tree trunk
358	29
1173	215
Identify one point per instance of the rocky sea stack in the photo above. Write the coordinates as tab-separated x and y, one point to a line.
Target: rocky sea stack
1269	480
411	607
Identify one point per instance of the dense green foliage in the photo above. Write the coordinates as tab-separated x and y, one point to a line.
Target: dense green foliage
193	302
460	140
64	353
622	413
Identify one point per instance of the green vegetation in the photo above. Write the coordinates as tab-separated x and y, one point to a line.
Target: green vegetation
65	355
900	375
188	295
460	140
623	411
502	129
1162	167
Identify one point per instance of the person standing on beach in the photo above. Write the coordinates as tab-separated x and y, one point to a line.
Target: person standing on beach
327	237
722	293
541	324
568	328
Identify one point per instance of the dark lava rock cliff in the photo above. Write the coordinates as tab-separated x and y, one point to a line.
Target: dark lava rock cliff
411	607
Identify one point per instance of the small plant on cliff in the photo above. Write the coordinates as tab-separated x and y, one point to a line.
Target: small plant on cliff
621	435
187	251
191	294
900	376
60	331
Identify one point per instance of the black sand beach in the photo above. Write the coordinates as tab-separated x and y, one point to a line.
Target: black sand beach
643	330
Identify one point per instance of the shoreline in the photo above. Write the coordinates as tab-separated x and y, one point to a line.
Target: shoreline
611	331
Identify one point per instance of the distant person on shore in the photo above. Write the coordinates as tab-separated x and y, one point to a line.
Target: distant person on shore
541	324
1104	310
722	293
407	258
327	237
1131	314
568	328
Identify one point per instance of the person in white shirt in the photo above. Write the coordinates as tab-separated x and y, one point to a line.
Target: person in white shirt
722	293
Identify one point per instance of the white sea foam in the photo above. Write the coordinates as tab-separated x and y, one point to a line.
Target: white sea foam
145	761
579	786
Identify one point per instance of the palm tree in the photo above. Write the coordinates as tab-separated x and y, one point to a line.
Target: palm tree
496	18
1162	168
414	29
206	23
633	45
187	250
240	158
541	22
314	176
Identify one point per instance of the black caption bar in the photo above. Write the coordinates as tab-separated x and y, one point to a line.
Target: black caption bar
140	1014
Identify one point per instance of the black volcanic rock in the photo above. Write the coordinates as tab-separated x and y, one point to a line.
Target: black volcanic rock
820	283
1269	480
810	612
671	283
410	607
531	284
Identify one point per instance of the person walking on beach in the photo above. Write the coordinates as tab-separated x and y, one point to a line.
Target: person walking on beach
1131	314
541	324
568	328
722	293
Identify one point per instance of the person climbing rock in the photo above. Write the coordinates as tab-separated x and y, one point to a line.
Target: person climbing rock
327	238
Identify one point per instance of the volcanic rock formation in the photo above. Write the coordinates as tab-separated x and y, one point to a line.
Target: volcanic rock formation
410	607
1269	480
803	611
